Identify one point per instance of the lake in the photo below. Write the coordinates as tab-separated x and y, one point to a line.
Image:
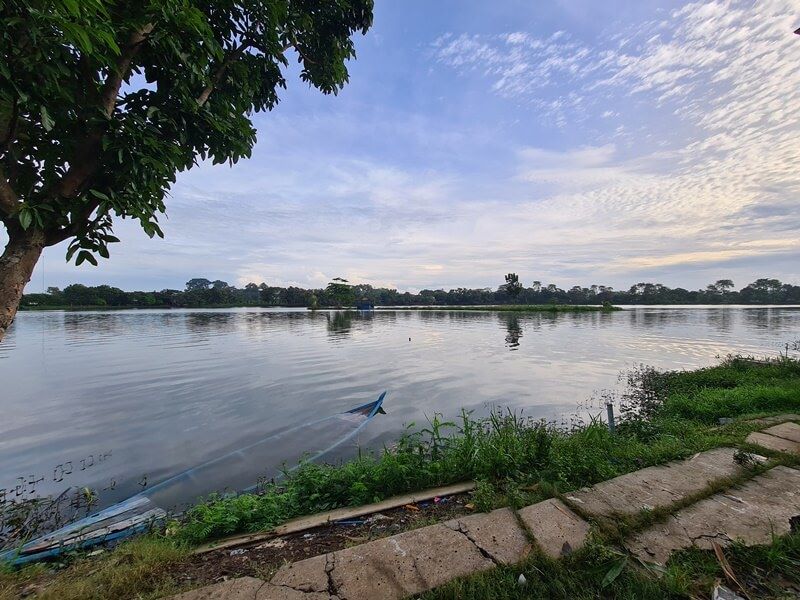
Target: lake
119	400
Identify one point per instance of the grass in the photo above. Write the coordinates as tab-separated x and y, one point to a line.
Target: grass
516	461
766	570
139	568
552	308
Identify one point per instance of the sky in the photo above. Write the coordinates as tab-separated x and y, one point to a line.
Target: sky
572	142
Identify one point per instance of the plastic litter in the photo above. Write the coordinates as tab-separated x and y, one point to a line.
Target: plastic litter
723	593
521	581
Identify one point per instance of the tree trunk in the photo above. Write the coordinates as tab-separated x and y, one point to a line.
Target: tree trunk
16	266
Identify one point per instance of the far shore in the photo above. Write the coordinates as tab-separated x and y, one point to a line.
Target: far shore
513	308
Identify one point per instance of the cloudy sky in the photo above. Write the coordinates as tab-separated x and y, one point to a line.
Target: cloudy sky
573	142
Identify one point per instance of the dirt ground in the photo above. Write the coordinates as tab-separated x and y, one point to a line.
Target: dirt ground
261	559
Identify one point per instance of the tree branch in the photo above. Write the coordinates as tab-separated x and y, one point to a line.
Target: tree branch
87	155
10	127
8	198
108	98
220	72
76	224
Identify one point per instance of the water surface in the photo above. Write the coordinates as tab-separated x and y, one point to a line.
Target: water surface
119	400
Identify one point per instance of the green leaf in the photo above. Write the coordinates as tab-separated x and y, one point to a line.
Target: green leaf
72	6
85	255
25	217
98	194
614	571
47	121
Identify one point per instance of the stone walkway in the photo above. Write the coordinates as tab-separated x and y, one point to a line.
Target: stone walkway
422	559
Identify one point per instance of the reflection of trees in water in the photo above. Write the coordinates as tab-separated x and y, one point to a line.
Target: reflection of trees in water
720	319
657	317
80	326
773	319
340	323
513	331
211	322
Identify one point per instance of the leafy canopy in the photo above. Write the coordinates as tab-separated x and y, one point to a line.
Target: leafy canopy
102	102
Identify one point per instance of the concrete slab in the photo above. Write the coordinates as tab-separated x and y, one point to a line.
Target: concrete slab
393	567
787	431
244	588
405	564
276	592
776	419
655	487
309	575
752	513
771	442
556	529
497	534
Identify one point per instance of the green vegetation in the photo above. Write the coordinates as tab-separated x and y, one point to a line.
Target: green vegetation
601	571
103	103
200	292
140	567
516	461
552	308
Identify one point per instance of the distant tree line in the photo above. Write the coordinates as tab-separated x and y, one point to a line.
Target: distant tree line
339	293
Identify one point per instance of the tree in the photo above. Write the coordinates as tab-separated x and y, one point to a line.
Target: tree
102	103
723	286
513	286
340	292
197	284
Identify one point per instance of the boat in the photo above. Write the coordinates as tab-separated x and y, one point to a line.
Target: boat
239	471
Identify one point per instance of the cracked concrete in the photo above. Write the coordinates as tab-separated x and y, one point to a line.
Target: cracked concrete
394	567
244	588
787	431
497	535
771	442
655	487
279	592
310	575
556	529
752	513
405	564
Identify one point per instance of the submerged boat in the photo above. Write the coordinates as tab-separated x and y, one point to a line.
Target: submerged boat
236	472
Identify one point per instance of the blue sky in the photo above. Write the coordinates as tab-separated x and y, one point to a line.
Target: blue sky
572	142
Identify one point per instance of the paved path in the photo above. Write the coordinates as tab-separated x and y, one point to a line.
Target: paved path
752	513
656	487
419	560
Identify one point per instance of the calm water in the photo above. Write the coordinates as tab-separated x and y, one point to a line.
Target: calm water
120	399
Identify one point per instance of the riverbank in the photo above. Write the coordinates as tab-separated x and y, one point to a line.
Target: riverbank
516	462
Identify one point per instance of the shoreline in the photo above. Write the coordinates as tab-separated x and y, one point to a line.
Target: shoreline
443	307
515	461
